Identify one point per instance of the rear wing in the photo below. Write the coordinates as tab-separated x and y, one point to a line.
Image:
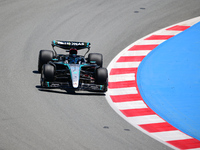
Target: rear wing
70	44
67	45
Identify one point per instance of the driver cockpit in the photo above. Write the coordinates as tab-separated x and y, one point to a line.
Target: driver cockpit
73	58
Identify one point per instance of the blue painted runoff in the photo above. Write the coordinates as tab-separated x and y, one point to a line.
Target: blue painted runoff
169	81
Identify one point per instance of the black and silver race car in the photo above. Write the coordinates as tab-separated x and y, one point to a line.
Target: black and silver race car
72	71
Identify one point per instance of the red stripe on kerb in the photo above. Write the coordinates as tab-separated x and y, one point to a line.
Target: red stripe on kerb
143	47
137	112
125	98
158	127
130	58
121	84
185	144
115	71
178	28
159	37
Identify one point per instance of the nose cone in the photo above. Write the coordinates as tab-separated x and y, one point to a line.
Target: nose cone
75	74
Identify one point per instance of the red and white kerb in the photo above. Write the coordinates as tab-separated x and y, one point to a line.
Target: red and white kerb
124	97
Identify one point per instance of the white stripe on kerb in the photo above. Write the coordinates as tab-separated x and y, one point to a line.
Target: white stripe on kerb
168	32
124	77
126	64
171	135
131	105
150	42
136	53
139	120
194	149
123	91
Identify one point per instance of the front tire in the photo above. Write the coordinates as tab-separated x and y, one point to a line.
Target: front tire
47	74
101	76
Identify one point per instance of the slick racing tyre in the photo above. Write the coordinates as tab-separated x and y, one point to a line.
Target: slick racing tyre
47	74
101	76
97	58
44	57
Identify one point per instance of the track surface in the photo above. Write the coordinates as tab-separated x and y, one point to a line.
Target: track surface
34	119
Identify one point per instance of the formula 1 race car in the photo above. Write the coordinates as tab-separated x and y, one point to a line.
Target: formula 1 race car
72	71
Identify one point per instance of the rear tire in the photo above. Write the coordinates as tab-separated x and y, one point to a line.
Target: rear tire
97	57
44	57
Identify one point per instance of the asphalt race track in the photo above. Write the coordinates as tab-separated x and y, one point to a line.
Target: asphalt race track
31	118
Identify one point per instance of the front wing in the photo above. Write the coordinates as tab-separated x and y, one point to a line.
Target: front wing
81	87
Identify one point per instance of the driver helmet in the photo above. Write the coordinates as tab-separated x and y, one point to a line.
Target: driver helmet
73	52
